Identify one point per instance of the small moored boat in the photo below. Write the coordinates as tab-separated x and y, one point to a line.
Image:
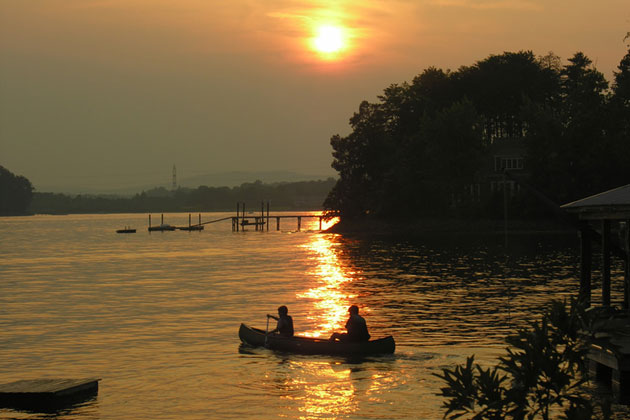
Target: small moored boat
126	230
310	345
161	228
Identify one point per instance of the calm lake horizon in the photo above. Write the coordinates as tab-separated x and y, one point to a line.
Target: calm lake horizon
155	315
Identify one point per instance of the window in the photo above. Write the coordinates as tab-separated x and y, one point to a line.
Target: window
507	163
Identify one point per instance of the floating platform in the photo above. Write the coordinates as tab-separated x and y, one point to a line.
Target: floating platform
191	228
45	394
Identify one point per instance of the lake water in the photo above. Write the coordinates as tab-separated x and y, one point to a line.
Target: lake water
156	315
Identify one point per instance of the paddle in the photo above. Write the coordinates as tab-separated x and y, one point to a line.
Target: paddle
267	329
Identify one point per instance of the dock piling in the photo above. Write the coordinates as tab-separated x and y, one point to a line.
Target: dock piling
606	263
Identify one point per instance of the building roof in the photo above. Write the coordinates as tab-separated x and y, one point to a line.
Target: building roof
611	204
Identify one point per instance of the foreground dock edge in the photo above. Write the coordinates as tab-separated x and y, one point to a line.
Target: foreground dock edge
46	394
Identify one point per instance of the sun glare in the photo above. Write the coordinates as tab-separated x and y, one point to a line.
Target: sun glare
329	39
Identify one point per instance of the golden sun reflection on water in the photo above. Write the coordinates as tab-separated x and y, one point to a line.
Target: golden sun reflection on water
331	388
330	301
318	389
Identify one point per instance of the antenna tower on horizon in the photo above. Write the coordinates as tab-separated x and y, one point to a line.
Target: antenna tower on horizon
174	178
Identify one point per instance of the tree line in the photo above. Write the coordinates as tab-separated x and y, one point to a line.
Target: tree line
425	142
16	193
306	195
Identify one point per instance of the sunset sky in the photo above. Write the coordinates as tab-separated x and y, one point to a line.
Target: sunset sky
103	94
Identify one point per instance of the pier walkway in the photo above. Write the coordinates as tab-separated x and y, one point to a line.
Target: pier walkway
260	221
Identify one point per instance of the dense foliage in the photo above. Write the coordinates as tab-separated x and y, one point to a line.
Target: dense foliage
425	145
15	193
307	195
542	376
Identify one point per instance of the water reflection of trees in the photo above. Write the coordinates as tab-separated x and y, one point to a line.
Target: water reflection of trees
455	290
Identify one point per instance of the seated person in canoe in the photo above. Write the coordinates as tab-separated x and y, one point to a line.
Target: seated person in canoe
285	322
356	327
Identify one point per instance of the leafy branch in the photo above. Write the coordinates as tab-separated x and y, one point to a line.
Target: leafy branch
542	376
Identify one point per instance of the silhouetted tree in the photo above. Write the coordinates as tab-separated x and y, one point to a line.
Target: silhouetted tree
361	158
620	122
15	193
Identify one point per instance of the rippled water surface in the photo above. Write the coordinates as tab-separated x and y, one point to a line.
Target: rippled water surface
156	315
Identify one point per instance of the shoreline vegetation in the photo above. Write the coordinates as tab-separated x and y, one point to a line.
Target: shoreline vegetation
469	143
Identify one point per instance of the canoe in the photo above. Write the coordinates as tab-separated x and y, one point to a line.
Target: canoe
309	345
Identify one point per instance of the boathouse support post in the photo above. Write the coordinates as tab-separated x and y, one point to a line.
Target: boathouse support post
242	216
277	223
267	216
238	209
149	220
606	263
621	385
585	265
162	219
320	222
626	279
299	222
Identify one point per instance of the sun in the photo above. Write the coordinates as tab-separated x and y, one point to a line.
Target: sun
329	39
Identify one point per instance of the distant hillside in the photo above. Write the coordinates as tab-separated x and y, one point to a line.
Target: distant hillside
210	179
304	195
236	178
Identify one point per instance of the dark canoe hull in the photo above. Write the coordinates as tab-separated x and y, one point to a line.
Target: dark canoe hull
308	345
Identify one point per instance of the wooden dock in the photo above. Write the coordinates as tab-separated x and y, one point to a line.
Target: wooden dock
609	357
260	221
34	394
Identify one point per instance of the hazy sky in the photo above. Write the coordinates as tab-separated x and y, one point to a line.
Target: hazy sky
112	93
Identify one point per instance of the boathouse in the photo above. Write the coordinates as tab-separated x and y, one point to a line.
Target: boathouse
604	220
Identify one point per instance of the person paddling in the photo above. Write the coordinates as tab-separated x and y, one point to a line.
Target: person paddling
284	326
356	327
